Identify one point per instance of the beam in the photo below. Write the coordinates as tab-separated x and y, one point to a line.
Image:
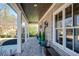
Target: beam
20	7
47	12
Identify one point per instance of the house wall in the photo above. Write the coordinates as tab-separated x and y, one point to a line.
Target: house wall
50	31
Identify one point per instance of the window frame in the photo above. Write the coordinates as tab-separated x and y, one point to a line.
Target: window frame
62	8
59	27
54	25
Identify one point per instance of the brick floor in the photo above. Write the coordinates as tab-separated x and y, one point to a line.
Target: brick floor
32	48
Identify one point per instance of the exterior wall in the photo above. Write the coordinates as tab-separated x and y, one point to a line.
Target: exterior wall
48	29
49	19
51	35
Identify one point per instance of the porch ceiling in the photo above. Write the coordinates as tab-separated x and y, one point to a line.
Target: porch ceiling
34	11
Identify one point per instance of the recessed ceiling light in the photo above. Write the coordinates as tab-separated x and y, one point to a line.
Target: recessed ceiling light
35	5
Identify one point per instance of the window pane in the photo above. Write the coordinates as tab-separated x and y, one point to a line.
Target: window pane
68	16
59	36
7	22
69	38
76	14
76	41
58	19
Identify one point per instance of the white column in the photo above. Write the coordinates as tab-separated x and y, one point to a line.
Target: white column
54	30
51	29
19	17
26	31
64	29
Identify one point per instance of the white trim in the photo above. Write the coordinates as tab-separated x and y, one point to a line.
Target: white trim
66	50
19	18
73	28
61	8
64	29
60	28
26	30
54	29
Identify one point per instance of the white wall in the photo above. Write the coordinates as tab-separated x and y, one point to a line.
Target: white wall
51	31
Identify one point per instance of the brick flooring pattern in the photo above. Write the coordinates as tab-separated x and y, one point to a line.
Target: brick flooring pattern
32	48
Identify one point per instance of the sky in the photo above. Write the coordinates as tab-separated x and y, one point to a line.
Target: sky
10	10
1	6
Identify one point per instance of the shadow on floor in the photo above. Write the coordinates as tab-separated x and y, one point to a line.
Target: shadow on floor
49	51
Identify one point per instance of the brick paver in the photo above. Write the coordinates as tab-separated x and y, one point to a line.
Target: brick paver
32	48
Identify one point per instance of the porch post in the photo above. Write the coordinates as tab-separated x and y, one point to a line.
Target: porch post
19	18
54	30
26	31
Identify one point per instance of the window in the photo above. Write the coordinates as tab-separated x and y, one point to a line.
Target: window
69	38
71	27
59	31
76	24
59	20
76	41
76	14
7	22
59	36
68	16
